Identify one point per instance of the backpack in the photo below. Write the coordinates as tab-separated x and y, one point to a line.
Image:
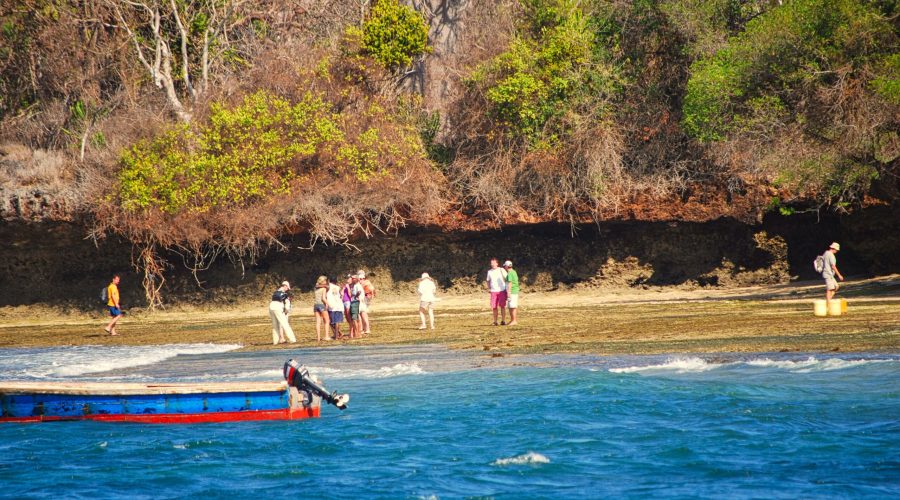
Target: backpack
104	294
819	264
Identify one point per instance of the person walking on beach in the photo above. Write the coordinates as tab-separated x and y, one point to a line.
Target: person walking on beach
426	291
335	308
281	328
113	305
366	303
512	292
830	271
496	282
320	310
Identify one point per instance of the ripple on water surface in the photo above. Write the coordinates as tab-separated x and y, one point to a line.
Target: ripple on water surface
431	423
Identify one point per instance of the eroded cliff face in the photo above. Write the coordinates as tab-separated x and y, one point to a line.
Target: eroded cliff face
54	263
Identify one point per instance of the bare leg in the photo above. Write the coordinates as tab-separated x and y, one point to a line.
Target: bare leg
430	317
364	317
513	316
111	326
495	316
422	317
503	315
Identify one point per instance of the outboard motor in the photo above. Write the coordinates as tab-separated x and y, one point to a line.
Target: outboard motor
298	376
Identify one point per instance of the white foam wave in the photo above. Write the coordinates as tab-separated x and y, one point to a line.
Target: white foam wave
400	369
83	360
674	365
812	364
682	365
526	459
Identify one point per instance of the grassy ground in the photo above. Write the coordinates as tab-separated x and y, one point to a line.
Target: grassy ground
627	321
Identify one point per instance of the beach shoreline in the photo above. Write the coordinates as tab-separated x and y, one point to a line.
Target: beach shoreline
602	321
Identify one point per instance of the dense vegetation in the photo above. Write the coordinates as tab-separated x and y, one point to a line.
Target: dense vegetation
220	126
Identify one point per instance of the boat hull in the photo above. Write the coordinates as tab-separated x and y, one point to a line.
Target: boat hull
164	404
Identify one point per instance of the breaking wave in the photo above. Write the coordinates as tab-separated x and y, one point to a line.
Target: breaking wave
77	361
811	364
526	459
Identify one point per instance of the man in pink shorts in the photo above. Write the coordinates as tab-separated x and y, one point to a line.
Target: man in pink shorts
496	282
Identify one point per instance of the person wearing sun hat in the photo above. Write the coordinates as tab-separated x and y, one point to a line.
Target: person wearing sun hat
426	291
831	270
280	323
512	292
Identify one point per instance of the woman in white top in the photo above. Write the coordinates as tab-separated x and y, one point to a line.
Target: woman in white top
426	299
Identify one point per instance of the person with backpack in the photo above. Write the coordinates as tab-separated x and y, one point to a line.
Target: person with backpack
281	328
112	304
827	265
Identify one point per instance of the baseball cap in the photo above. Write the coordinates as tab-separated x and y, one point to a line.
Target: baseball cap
507	263
835	246
285	283
424	276
361	275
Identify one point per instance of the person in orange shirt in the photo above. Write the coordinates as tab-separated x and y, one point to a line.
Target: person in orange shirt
113	305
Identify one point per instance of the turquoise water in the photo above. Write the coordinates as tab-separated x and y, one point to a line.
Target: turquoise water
424	422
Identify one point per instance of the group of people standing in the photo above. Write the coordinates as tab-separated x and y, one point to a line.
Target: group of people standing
503	283
333	304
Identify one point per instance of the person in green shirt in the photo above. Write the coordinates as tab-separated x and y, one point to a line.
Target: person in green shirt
512	289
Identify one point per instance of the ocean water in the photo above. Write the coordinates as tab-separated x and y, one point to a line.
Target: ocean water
426	422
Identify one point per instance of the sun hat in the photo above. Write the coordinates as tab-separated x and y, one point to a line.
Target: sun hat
507	263
835	246
424	276
285	283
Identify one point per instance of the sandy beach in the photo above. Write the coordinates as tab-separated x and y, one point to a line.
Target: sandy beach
596	321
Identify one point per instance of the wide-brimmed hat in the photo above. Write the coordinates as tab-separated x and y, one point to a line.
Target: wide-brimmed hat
836	246
285	283
507	263
425	276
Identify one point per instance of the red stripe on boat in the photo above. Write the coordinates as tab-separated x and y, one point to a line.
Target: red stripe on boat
181	418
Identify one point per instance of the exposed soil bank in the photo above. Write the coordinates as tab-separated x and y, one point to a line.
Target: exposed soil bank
54	264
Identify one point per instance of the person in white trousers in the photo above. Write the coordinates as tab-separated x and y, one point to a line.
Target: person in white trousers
280	323
426	291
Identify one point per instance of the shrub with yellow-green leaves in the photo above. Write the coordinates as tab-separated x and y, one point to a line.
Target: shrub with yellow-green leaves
259	149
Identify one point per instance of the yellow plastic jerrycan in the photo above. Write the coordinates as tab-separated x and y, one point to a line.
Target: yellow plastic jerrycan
836	308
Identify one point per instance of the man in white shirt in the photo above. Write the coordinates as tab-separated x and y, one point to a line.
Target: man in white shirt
426	299
496	282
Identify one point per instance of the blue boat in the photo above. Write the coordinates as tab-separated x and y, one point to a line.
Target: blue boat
299	396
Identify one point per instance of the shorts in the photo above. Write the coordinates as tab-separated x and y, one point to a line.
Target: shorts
512	301
426	304
346	305
114	311
354	310
831	283
317	308
363	306
498	299
336	317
